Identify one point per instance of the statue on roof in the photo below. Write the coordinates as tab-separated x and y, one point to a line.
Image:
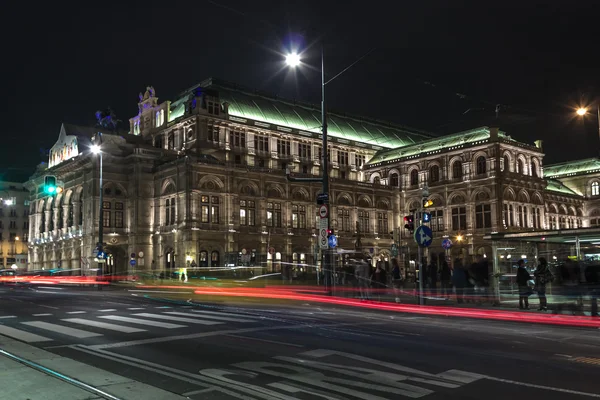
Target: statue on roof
107	119
141	96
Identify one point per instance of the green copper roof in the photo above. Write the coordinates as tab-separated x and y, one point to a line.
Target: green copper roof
449	142
557	186
245	103
577	167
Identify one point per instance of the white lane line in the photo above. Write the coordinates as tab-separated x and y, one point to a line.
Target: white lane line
265	340
224	313
550	388
42	315
75	312
178	319
7	316
104	325
49	287
42	305
210	317
136	308
142	321
65	330
164	307
25	336
108	310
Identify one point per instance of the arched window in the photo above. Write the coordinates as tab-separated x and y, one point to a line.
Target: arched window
414	177
171	141
533	170
214	259
394	181
506	164
520	167
457	170
203	258
434	174
160	118
481	167
595	188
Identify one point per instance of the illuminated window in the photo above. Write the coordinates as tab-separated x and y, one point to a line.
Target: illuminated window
382	222
247	212
209	211
344	219
274	215
595	189
170	211
298	216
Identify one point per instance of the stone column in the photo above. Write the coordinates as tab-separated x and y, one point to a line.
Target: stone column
47	214
65	221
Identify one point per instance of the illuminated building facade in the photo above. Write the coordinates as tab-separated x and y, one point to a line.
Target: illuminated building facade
201	182
14	225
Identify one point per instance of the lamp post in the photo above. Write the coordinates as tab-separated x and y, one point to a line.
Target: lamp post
97	150
582	111
8	201
293	61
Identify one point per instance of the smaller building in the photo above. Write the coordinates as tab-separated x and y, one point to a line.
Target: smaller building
14	225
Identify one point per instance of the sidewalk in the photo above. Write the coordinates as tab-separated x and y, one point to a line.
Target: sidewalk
19	381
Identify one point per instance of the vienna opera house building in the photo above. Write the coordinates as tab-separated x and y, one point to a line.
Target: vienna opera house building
200	181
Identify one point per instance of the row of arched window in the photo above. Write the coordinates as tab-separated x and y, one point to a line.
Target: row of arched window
481	168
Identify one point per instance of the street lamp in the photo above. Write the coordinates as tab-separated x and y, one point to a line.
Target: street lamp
96	149
293	60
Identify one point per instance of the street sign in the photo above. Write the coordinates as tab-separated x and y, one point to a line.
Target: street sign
101	255
423	236
324	223
446	243
323	198
323	211
394	250
271	250
323	237
132	255
332	241
132	263
244	251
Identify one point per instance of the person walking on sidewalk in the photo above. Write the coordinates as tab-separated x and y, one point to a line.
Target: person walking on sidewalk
542	277
523	278
445	277
379	280
459	279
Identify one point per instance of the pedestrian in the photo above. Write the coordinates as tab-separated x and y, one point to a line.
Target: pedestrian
523	278
459	280
379	280
542	276
445	277
397	280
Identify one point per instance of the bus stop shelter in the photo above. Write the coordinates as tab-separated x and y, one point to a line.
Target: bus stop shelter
555	246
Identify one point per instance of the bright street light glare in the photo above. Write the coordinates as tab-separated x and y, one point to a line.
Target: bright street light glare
8	202
581	111
293	59
95	149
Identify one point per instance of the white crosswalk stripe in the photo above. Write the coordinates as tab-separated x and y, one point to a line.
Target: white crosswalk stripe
142	321
65	330
7	316
25	336
210	317
178	319
221	313
104	325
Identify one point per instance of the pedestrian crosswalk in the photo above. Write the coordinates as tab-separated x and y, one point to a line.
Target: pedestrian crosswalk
95	324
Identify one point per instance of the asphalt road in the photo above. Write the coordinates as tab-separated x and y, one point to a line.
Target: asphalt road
301	350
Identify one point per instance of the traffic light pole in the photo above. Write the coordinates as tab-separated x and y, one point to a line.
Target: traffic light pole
100	225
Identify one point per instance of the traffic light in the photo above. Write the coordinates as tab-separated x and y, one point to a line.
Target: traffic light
426	217
50	185
409	223
330	232
427	203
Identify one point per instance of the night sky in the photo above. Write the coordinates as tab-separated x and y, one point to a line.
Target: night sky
429	62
